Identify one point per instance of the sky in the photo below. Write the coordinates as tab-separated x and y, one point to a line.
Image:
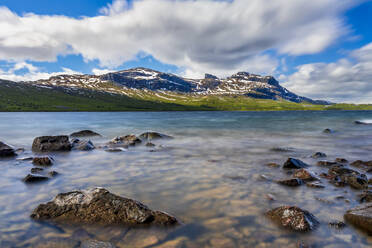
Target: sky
320	49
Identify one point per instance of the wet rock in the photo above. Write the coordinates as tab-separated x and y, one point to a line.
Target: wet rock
357	182
341	161
55	242
362	164
92	243
294	218
326	201
319	155
99	206
365	197
125	141
20	150
362	123
325	163
293	182
337	224
149	144
36	170
42	161
275	165
153	136
34	178
6	150
53	173
51	144
328	130
282	149
82	145
270	197
360	217
304	175
293	163
315	185
118	149
344	176
339	170
85	133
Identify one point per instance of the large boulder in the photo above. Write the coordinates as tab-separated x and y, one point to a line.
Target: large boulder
293	163
6	150
361	217
99	206
51	144
294	218
153	136
84	133
124	141
82	145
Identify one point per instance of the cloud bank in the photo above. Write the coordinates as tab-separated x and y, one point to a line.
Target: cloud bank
218	37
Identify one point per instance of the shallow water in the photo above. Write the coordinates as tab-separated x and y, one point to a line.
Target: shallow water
209	176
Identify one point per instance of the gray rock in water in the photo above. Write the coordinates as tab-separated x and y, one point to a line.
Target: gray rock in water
51	144
361	217
328	130
6	150
92	243
85	133
319	155
34	178
362	123
82	145
99	206
153	136
293	163
294	218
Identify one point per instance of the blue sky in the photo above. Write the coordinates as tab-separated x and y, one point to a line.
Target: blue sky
320	52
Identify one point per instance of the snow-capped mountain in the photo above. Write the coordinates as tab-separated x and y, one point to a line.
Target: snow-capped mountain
143	79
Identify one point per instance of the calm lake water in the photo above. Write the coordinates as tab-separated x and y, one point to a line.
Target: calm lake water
209	176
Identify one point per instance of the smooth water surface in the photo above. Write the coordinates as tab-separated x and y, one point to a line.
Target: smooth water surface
213	176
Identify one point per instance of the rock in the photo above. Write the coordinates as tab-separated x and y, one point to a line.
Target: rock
36	170
118	149
365	196
293	163
56	242
357	182
92	243
34	179
319	155
282	149
42	161
82	145
362	123
337	224
294	218
53	173
341	161
326	163
293	182
326	201
362	164
273	165
6	150
304	175
360	217
339	170
270	197
99	206
149	144
51	144
154	135
328	130
125	141
315	185
85	133
25	158
344	176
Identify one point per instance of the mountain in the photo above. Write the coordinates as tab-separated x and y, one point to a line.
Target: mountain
242	84
142	89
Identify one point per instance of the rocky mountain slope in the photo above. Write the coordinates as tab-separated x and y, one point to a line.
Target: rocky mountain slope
141	80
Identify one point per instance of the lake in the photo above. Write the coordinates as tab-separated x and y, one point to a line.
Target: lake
213	176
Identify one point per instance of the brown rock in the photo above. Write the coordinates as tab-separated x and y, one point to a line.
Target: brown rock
360	217
326	163
99	206
304	175
42	161
125	141
293	182
34	179
84	133
341	161
294	218
365	196
154	135
51	144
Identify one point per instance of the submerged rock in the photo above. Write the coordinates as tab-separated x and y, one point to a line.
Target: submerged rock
337	224
365	196
149	144
362	164
319	155
362	123
294	218
34	178
84	133
125	141
328	130
154	135
42	161
293	163
304	175
341	160
92	243
293	182
6	150
118	149
315	185
51	144
282	149
36	170
360	217
82	145
326	163
53	173
99	206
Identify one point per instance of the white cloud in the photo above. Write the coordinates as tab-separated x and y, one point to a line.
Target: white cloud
347	80
33	73
98	72
199	36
